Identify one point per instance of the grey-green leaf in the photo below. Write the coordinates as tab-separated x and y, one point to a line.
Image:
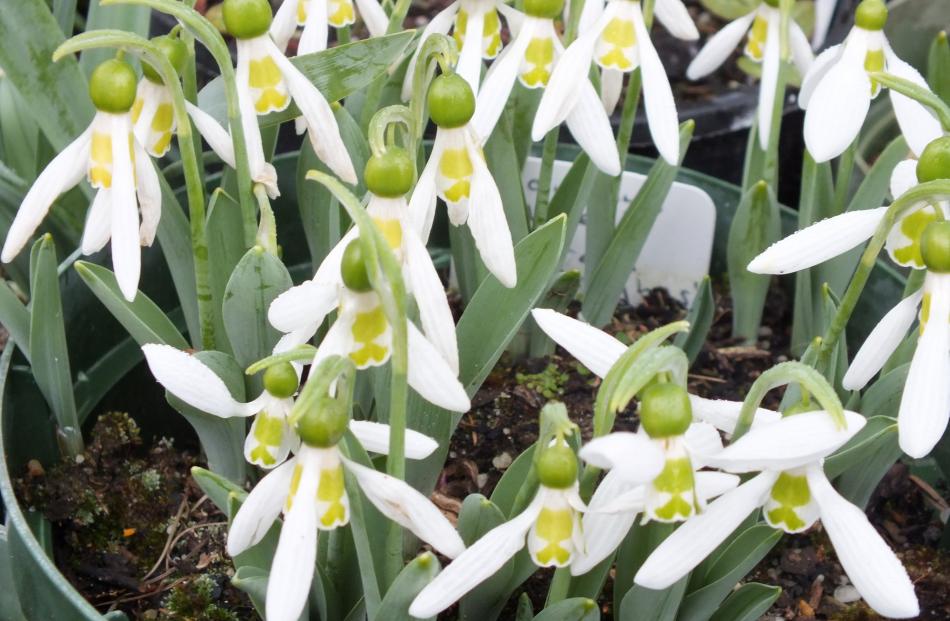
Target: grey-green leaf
700	318
748	603
574	609
412	579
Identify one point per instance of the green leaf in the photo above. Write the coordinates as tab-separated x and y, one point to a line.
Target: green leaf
858	483
258	278
18	132
525	610
642	604
883	397
174	238
225	234
938	66
518	480
502	161
368	526
15	318
478	516
218	488
874	436
611	273
636	547
142	319
559	296
133	19
729	9
221	438
408	584
574	609
253	581
748	603
755	227
700	318
9	603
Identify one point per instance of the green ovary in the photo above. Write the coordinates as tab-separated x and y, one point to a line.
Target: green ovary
554	526
366	329
676	479
913	227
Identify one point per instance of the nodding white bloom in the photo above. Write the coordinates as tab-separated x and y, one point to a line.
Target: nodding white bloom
837	92
458	174
153	116
619	42
793	492
361	330
762	46
117	166
316	16
309	490
267	82
531	58
461	17
549	527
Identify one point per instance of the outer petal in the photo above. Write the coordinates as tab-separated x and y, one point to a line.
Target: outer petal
398	501
881	343
657	95
126	255
719	47
903	177
675	18
870	564
470	59
702	440
190	380
487	222
724	415
590	14
284	24
695	539
792	442
818	243
431	376
422	202
434	312
303	305
373	16
917	123
634	456
98	229
440	24
252	131
816	72
603	532
216	136
498	83
925	404
316	31
591	129
149	193
710	484
802	55
260	509
375	438
824	12
479	562
770	66
594	348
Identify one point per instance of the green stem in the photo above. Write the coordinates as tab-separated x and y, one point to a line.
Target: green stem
918	93
843	177
267	230
570	31
190	80
343	35
548	153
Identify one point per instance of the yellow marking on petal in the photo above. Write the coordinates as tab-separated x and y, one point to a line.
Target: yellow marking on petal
619	37
137	109
456	167
100	160
874	61
391	230
341	13
268	433
265	77
790	493
294	485
332	491
912	226
368	327
554	526
676	479
755	45
924	311
301	13
539	55
461	23
491	35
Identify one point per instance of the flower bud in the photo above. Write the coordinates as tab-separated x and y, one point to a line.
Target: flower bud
665	410
871	15
112	86
173	49
280	380
323	425
353	268
557	466
549	9
935	246
246	19
390	174
451	101
934	162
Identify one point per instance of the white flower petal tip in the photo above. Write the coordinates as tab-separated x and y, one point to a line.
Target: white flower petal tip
838	105
724	415
594	348
818	243
636	458
431	376
375	438
260	509
881	343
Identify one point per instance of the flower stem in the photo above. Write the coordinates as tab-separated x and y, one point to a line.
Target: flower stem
548	153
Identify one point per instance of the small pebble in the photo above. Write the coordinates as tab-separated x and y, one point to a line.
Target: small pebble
34	468
501	462
847	594
481	480
506	431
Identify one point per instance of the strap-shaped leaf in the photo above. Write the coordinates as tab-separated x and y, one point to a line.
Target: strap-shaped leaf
15	318
412	579
748	603
478	516
573	609
700	318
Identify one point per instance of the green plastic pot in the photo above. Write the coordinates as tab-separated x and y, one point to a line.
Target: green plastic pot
109	371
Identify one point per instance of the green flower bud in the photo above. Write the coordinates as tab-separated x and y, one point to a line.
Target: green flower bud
390	174
246	19
174	49
934	162
280	380
549	9
324	425
112	86
353	268
451	101
557	466
935	246
871	15
665	410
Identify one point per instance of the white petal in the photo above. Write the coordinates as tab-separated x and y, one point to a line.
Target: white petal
595	349
770	66
925	404
373	16
605	528
903	177
657	95
719	47
611	86
702	440
870	564
260	509
635	456
316	30
64	171
149	193
498	83
422	202
470	59
375	438
329	271
487	221
292	570
216	136
591	129
284	24
252	131
839	104
434	312
431	376
918	124
479	562
264	455
824	11
802	55
398	501
589	15
711	484
303	305
513	16
881	343
440	24
126	256
98	229
676	19
816	72
695	539
819	242
792	442
724	414
190	380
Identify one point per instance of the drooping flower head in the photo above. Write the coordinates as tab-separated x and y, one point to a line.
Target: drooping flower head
316	16
152	113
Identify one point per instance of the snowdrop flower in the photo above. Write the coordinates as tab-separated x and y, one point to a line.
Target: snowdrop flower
530	58
619	42
361	330
309	490
317	15
549	526
837	92
458	174
267	81
117	166
270	439
461	17
793	492
762	46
